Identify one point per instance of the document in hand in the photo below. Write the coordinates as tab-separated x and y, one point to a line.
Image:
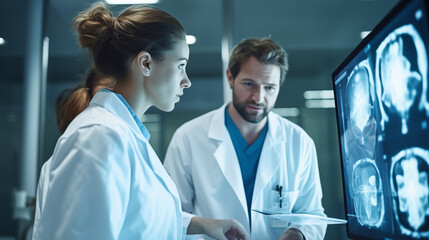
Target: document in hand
302	219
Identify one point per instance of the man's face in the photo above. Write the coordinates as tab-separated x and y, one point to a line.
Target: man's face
255	89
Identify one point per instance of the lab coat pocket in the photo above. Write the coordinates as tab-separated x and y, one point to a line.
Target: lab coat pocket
287	200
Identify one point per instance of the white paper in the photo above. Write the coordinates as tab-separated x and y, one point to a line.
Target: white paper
303	219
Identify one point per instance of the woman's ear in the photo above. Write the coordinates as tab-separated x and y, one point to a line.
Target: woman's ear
144	61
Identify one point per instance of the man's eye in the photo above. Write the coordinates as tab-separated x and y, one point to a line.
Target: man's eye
248	84
270	88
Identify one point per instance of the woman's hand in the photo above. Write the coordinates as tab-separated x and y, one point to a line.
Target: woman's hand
218	229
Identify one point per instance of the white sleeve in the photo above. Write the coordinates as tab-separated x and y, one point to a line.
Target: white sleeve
186	217
310	196
89	185
177	163
40	195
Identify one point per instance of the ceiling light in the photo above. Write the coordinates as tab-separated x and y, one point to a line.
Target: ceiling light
120	2
2	41
190	39
319	94
363	34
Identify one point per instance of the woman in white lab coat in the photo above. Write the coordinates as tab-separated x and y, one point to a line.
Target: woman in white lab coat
104	180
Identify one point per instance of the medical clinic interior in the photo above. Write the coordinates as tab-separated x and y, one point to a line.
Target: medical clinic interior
330	96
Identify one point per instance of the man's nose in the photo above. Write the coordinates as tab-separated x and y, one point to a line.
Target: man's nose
258	94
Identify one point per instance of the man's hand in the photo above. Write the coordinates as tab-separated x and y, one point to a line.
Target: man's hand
218	229
292	234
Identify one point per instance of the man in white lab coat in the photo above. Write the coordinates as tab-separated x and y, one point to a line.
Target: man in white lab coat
242	156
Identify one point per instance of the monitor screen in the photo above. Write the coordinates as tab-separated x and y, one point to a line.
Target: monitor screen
381	95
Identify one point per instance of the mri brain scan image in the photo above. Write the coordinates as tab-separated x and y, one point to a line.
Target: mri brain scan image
367	193
410	188
382	102
359	99
360	134
396	71
401	77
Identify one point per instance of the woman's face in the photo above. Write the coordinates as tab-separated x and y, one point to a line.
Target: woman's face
168	78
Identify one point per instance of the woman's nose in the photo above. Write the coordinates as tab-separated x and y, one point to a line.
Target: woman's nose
186	83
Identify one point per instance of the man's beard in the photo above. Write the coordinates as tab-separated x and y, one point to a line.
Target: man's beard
249	117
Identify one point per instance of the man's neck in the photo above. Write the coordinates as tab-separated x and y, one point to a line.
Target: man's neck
250	131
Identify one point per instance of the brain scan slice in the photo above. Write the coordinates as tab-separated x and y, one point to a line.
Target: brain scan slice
404	82
367	193
360	102
400	77
410	190
361	125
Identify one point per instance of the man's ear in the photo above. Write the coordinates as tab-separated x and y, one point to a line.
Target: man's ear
144	61
230	78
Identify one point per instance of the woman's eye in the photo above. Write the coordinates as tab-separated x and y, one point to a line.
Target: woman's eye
182	66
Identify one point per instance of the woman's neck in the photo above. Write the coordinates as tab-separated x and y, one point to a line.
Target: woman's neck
134	94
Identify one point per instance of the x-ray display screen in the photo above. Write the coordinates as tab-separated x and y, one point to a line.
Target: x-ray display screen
381	94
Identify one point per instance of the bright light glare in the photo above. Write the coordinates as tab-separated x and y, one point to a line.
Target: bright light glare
119	2
190	39
319	94
363	34
330	103
287	112
2	41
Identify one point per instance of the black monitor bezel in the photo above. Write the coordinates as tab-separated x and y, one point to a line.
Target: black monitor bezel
396	10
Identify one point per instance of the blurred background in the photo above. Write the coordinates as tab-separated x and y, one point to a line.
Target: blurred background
40	57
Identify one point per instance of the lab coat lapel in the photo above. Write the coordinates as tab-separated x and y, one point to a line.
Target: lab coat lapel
272	155
159	170
225	155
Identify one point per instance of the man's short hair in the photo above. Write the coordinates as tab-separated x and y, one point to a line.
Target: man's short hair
264	50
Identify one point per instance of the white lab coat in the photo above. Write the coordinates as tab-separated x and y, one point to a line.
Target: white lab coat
104	181
202	162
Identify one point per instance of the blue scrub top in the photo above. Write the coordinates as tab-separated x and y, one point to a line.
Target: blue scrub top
142	127
248	156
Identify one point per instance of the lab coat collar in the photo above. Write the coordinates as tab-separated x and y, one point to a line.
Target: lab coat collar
274	131
113	104
217	123
139	123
